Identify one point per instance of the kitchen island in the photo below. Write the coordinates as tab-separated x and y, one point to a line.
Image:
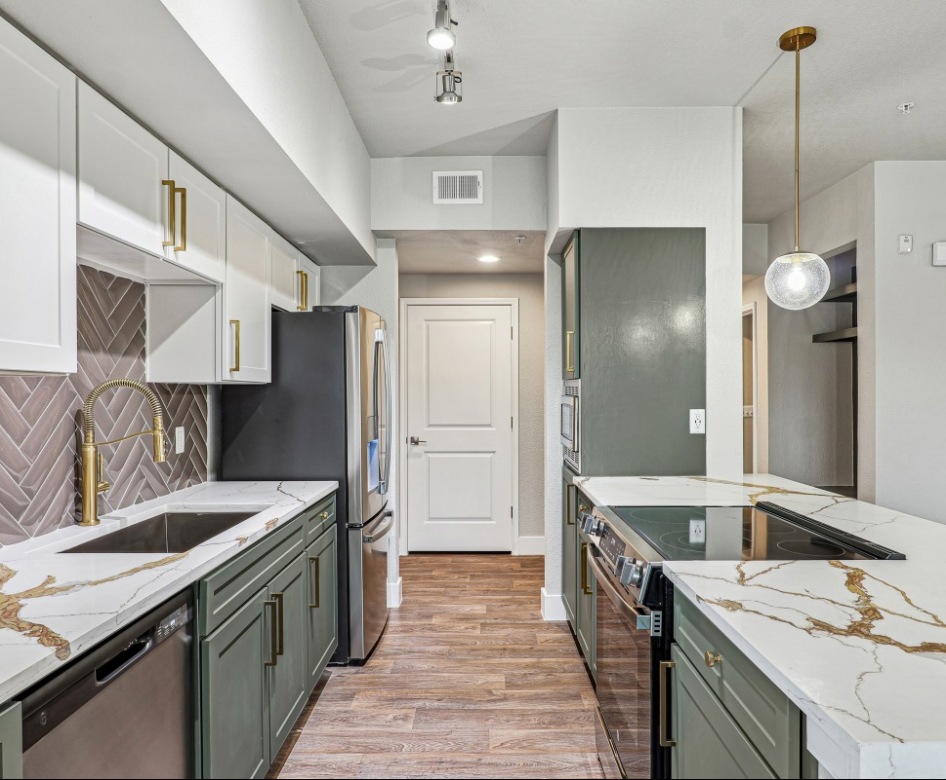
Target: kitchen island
859	647
54	605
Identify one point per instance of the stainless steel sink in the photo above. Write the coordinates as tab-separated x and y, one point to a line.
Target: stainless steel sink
169	532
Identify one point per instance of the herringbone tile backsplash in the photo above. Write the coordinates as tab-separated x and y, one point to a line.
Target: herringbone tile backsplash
39	423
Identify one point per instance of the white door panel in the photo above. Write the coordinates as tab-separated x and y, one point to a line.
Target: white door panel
459	406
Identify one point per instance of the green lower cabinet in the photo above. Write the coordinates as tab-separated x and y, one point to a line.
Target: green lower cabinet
709	743
321	605
235	733
11	742
287	679
585	631
569	554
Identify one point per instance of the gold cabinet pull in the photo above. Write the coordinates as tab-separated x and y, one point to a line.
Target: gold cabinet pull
236	345
301	275
281	631
585	587
569	348
182	247
317	596
324	516
665	740
306	289
272	633
570	490
712	659
172	221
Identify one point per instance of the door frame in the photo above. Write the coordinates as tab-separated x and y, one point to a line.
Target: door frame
404	306
749	310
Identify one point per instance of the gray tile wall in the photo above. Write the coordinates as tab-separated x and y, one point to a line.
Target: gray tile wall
39	430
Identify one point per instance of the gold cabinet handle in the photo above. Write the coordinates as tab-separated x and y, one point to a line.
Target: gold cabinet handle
712	659
273	645
317	598
236	345
172	221
585	587
569	491
569	348
324	516
665	740
182	247
306	289
281	631
302	290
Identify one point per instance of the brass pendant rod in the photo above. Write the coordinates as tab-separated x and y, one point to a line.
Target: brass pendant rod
797	134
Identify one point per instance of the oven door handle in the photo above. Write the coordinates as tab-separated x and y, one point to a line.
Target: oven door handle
604	581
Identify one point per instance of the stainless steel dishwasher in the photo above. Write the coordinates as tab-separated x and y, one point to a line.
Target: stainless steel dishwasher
125	709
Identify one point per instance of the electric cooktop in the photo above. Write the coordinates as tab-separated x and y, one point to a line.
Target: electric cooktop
761	532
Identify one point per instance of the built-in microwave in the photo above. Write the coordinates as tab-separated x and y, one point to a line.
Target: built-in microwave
571	423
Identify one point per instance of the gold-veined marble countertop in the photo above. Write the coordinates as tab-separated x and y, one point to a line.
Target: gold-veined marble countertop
53	606
859	646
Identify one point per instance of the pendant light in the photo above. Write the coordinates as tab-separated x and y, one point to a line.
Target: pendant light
797	280
449	86
441	35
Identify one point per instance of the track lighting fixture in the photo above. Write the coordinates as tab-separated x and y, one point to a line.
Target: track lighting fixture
441	35
449	88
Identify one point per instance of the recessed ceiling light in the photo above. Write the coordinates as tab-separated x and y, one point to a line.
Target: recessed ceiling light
905	108
488	259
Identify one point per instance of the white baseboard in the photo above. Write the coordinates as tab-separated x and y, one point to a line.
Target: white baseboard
395	594
553	606
531	545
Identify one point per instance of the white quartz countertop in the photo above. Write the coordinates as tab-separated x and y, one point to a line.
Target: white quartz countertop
859	646
53	606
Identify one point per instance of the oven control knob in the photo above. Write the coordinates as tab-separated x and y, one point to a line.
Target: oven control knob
591	525
632	575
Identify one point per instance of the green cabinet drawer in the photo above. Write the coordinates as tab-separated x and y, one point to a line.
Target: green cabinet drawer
235	734
321	604
318	518
11	742
709	743
287	678
766	715
569	553
233	584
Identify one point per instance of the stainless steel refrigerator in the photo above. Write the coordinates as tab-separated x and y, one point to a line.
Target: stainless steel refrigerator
326	416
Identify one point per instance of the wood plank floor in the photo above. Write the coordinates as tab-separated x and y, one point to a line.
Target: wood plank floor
468	681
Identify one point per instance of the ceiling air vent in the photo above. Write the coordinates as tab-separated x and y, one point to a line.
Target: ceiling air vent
458	186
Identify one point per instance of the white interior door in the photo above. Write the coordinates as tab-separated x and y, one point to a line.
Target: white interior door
460	406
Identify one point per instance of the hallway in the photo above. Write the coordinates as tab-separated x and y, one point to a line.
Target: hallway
468	681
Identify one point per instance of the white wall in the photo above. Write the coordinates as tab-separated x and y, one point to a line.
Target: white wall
529	289
553	608
514	194
910	198
755	249
268	55
376	288
836	219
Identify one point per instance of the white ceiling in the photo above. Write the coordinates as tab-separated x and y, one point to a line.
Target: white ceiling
521	60
455	251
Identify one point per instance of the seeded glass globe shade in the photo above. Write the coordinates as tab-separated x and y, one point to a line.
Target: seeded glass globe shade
797	280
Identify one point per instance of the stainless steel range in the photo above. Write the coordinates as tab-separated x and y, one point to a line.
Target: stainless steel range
634	606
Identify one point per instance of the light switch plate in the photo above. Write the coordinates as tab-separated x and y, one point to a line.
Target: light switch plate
179	439
698	421
939	253
906	245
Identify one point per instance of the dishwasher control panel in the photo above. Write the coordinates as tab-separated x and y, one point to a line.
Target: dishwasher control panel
173	622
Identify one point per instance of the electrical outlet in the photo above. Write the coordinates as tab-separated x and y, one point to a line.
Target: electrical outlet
698	421
906	245
179	439
697	531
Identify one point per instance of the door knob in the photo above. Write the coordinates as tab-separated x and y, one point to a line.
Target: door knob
415	440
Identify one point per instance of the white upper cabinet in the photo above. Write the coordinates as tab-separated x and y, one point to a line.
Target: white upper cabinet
283	276
37	209
122	170
246	306
197	222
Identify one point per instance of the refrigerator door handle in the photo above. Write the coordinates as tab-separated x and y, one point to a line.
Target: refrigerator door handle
385	429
